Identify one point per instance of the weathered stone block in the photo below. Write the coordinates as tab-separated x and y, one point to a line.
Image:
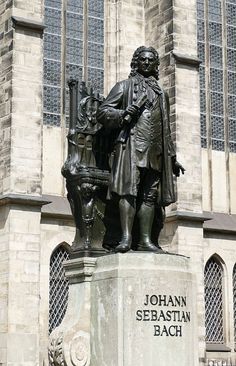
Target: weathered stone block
129	311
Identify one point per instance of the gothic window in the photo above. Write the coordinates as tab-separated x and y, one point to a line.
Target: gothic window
231	65
58	287
73	47
201	55
218	121
213	283
52	62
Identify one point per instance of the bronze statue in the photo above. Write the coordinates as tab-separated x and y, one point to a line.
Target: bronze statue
143	160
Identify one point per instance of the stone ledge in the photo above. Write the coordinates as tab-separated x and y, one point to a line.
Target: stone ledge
221	222
188	216
211	347
58	207
186	60
212	221
20	199
31	24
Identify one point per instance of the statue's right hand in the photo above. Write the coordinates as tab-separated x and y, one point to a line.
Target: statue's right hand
131	110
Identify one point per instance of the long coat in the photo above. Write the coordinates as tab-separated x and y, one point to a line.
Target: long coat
123	169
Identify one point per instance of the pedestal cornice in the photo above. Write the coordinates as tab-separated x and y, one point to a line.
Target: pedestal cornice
80	269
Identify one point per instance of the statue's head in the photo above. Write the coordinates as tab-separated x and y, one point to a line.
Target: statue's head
145	61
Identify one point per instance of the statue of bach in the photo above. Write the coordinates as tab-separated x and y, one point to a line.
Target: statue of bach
143	159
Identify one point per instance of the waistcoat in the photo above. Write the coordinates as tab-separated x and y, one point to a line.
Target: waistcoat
148	136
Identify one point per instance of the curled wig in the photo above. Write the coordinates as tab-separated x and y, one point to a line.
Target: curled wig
134	61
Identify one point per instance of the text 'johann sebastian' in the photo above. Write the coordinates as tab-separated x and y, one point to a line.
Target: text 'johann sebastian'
169	311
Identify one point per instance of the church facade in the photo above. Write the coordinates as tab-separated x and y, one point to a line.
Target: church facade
42	45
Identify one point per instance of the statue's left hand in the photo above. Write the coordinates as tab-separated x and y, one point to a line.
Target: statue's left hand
177	168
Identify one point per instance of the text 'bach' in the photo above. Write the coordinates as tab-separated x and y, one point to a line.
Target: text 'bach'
172	317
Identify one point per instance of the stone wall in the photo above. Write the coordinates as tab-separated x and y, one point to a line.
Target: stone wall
219	194
26	121
23	287
54	140
20	177
21	99
6	54
124	32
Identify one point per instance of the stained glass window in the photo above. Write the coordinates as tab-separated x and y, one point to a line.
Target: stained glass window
218	117
73	47
201	55
52	63
95	44
231	65
216	74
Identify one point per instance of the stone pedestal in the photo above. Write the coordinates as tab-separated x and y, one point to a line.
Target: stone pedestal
143	311
134	309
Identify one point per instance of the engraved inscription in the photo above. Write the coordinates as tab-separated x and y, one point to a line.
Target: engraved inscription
168	312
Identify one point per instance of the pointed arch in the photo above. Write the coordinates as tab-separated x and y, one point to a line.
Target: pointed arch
58	286
213	286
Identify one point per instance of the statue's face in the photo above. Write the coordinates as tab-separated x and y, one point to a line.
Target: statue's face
147	63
